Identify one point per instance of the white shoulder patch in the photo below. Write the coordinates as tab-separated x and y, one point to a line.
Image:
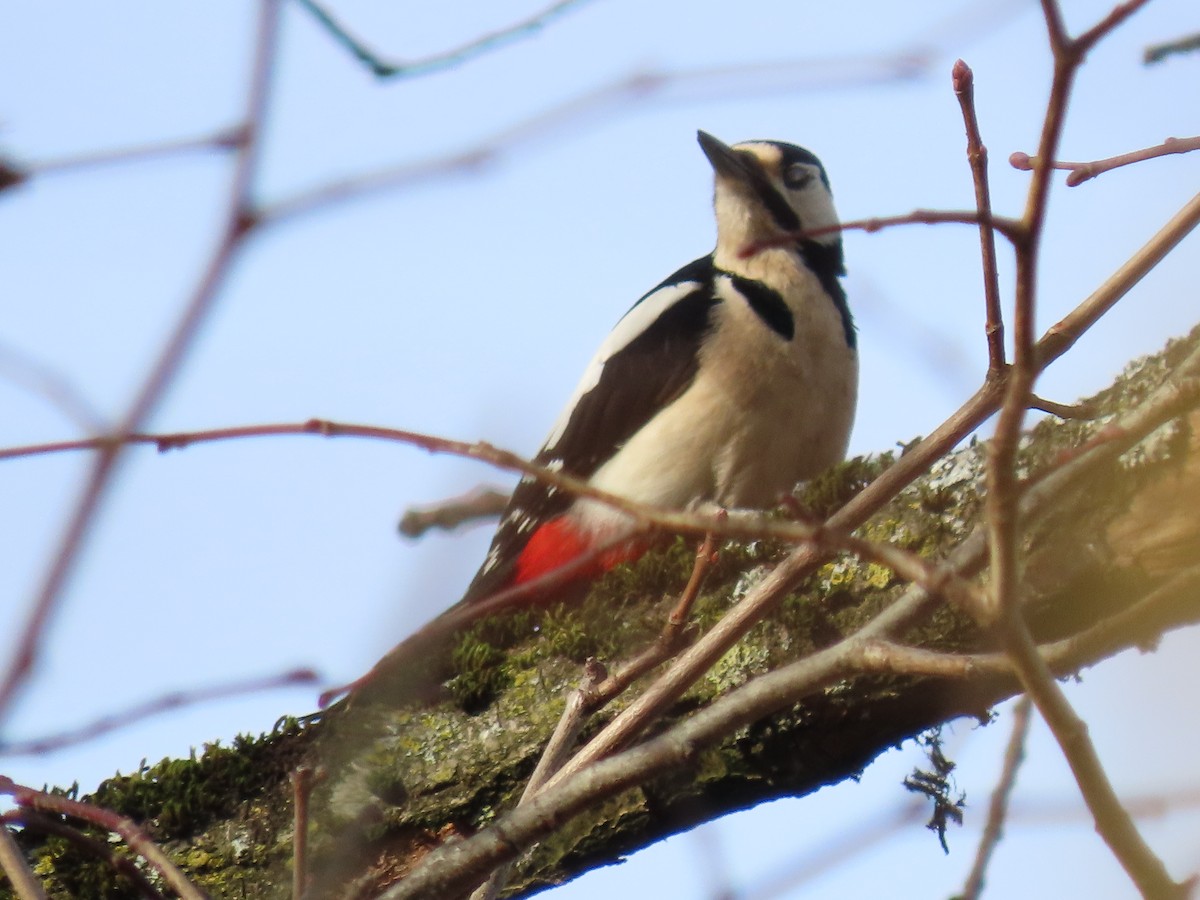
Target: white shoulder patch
632	324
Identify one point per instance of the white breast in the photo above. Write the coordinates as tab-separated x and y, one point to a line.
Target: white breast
762	414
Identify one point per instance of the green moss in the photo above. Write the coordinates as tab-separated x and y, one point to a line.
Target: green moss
481	675
187	806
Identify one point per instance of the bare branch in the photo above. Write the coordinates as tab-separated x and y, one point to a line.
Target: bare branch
748	526
1062	410
1112	821
166	703
14	866
574	716
134	837
977	156
46	824
480	503
1084	171
225	139
623	93
998	809
1156	53
1060	337
240	219
493	40
1010	228
304	779
37	377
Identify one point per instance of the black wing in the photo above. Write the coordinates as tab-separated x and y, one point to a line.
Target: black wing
641	368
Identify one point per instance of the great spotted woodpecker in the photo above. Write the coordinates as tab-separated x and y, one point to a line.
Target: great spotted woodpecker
724	386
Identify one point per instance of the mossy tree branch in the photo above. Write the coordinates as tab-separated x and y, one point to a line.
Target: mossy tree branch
1115	547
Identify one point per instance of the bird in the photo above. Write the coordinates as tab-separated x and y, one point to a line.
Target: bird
723	387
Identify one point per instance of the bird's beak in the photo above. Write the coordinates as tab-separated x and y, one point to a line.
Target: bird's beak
724	159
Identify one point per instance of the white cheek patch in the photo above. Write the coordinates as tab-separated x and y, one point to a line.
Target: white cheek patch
814	205
632	324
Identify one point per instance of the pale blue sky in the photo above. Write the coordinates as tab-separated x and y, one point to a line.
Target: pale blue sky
467	306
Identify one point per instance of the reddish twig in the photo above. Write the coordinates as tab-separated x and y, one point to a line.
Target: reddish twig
1112	821
155	707
964	88
54	825
304	779
1084	171
1006	226
828	536
134	837
706	555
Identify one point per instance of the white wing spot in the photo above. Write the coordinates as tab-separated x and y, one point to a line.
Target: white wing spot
632	324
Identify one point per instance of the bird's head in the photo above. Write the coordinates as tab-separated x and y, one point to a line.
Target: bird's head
765	189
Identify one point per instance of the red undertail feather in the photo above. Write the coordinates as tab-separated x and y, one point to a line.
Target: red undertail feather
559	544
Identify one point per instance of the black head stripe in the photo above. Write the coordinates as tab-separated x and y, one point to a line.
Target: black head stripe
781	211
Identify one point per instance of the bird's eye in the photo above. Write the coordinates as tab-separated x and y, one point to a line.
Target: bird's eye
797	175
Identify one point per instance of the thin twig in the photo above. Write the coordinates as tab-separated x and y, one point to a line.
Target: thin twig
13	865
1084	171
706	555
134	837
480	503
580	704
54	825
565	118
1158	52
526	27
42	379
644	516
763	598
998	809
1112	821
1010	228
158	706
964	88
240	219
1063	410
1061	336
304	779
225	139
